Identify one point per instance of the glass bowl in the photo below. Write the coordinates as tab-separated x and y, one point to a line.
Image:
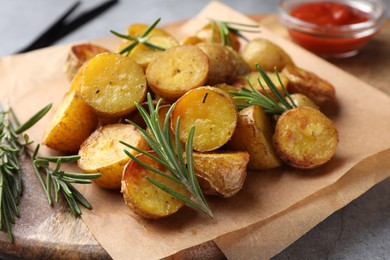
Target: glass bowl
333	41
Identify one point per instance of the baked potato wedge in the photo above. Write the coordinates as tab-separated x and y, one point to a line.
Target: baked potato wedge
111	83
305	138
143	197
309	84
221	173
103	153
78	55
253	134
223	63
266	54
213	113
71	124
210	33
177	70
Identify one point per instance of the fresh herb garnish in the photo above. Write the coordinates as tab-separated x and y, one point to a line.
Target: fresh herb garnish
266	101
143	39
61	181
12	146
225	28
169	153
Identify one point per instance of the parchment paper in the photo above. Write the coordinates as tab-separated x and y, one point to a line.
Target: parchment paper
274	207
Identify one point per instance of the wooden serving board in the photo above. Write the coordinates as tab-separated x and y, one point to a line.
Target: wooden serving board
53	232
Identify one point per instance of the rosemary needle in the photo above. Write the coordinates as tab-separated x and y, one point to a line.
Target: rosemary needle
169	153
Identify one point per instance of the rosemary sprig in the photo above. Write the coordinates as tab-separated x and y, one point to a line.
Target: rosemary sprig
57	181
225	28
266	101
143	39
11	148
169	153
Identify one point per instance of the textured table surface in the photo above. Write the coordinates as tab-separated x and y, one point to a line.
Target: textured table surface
361	230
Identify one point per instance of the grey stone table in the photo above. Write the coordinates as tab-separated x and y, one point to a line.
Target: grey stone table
361	230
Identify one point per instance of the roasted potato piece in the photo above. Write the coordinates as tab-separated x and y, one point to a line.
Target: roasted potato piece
137	29
265	53
111	83
212	112
254	77
221	173
254	135
143	197
177	70
309	84
78	55
305	138
144	55
223	63
71	124
210	33
242	67
103	153
300	100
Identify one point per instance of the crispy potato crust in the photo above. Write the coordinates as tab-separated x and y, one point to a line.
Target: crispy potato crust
305	138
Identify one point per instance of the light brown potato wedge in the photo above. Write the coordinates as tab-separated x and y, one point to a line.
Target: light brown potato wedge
137	29
212	112
211	34
177	70
305	138
223	63
266	54
144	55
111	83
254	135
78	55
301	100
221	173
143	197
253	79
103	153
71	124
309	84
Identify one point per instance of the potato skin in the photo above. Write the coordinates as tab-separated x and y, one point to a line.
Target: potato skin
253	134
101	152
305	138
78	55
265	53
223	63
176	71
213	113
221	173
111	83
143	197
71	124
307	83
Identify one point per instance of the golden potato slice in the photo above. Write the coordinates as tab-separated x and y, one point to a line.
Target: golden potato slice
177	70
211	34
253	79
144	55
213	113
265	53
137	29
301	100
309	84
223	63
305	138
102	152
111	83
78	55
253	134
71	124
221	173
143	197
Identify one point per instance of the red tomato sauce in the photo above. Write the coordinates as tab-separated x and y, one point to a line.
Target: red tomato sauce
328	14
